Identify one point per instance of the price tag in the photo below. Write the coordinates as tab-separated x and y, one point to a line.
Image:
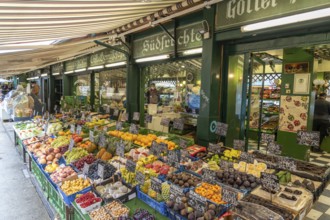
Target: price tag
176	193
162	147
239	145
154	149
71	145
72	129
42	109
134	129
173	158
274	148
221	129
229	195
214	148
178	123
209	176
120	148
308	138
165	122
89	118
183	143
197	201
136	116
147	118
245	156
130	166
124	117
156	185
107	109
78	131
91	135
270	182
116	112
266	138
100	170
286	163
85	169
140	177
119	125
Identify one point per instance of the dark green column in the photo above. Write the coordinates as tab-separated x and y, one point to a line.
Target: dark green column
92	91
210	84
132	88
51	98
67	85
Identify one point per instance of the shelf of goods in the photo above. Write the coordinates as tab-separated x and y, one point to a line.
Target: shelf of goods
104	173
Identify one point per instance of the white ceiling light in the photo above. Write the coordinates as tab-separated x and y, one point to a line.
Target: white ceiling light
287	20
68	72
95	67
116	64
193	51
80	70
32	78
56	74
12	51
44	75
147	59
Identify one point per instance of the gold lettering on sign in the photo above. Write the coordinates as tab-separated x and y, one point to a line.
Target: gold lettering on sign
237	8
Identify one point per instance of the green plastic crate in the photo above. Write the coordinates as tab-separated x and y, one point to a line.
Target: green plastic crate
40	177
77	214
56	201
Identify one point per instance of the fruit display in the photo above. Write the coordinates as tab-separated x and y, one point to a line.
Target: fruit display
231	155
35	139
96	122
112	190
100	214
61	141
195	149
213	165
146	160
50	168
75	154
70	187
88	202
143	215
286	214
136	154
184	179
246	210
48	156
118	162
284	177
24	134
117	209
53	128
109	170
79	164
129	177
87	145
62	173
166	191
195	166
254	169
103	155
160	168
238	180
210	191
24	126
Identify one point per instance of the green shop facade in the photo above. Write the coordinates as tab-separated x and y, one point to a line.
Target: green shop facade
248	80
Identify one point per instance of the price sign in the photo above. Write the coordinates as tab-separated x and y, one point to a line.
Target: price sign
229	195
120	148
214	148
102	141
239	145
221	129
71	145
162	147
266	138
274	148
185	156
197	201
130	166
119	125
270	182
89	118
124	117
85	169
183	143
136	116
134	129
308	138
116	112
140	177
176	193
91	135
154	149
286	163
178	123
156	185
245	156
78	131
209	176
173	157
100	170
107	109
147	118
165	122
72	128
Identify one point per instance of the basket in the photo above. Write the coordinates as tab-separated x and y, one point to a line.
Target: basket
158	206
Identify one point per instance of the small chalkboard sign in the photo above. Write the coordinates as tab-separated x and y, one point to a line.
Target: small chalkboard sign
176	193
102	140
270	182
55	107
247	157
71	144
34	112
78	131
173	158
140	177
116	112
209	176
83	116
72	128
147	118
130	166
134	129
239	145
221	129
120	148
85	169
267	138
308	138
183	143
214	148
274	148
156	185
184	156
165	122
119	125
162	147
136	116
91	135
100	170
230	196
154	149
197	201
286	163
178	123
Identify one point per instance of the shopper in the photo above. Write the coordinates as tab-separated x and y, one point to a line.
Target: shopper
34	95
152	94
321	121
